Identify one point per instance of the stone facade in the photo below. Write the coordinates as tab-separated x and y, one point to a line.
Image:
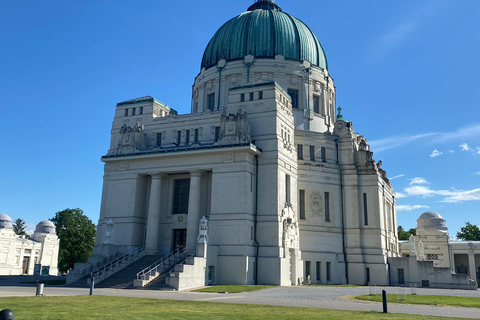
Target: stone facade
28	256
290	191
432	259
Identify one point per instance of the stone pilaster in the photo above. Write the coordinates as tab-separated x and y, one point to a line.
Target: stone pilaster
153	220
471	265
193	210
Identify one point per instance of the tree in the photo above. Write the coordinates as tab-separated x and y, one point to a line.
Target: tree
405	235
470	232
77	237
19	227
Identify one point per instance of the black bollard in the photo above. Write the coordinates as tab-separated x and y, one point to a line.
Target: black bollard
7	314
384	299
92	285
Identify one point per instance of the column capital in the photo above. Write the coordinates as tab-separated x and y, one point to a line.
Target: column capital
196	173
157	175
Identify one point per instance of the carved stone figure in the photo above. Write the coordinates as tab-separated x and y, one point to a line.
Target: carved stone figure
235	128
421	251
131	138
412	245
316	204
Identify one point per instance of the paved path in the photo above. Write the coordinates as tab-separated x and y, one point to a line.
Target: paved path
311	297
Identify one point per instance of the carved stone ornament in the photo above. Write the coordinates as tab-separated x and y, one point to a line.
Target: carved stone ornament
203	231
316	204
109	229
235	129
290	238
131	138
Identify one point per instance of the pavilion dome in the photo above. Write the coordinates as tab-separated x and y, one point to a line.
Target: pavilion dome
5	221
264	31
45	226
431	220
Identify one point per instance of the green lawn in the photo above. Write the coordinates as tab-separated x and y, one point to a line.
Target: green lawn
109	308
427	300
232	289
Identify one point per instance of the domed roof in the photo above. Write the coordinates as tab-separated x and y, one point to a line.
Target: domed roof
264	31
46	226
5	221
431	220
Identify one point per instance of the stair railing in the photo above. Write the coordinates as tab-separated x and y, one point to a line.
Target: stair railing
91	266
162	265
101	273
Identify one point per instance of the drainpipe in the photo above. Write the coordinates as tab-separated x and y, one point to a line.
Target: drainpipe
343	213
255	223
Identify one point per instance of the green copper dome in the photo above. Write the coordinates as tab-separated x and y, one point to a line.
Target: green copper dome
264	31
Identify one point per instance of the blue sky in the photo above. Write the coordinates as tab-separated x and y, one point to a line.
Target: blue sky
406	74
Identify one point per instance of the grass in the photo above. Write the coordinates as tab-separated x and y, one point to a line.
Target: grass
48	282
232	289
109	308
451	301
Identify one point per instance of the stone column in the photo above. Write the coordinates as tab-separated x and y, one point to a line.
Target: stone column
193	211
153	220
471	265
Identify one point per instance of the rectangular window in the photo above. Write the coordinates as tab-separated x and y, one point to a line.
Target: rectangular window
312	153
195	137
327	206
211	101
180	196
179	137
316	104
302	204
260	95
300	152
133	111
217	134
293	93
323	154
159	139
187	137
287	189
365	209
318	271
251	96
242	97
329	271
307	269
141	110
367	271
126	113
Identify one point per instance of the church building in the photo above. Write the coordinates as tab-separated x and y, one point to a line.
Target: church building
290	191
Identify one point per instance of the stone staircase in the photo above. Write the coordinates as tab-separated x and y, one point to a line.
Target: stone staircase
188	275
124	278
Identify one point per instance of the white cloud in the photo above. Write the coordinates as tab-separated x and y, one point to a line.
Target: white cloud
464	147
396	177
462	196
401	32
478	173
422	191
387	143
449	196
408	207
436	153
400	195
418	180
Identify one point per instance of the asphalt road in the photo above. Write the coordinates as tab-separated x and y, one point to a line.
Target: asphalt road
311	297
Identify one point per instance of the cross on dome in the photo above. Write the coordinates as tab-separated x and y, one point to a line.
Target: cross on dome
265	5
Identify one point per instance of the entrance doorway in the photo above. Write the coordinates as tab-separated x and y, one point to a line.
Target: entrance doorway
26	262
179	239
